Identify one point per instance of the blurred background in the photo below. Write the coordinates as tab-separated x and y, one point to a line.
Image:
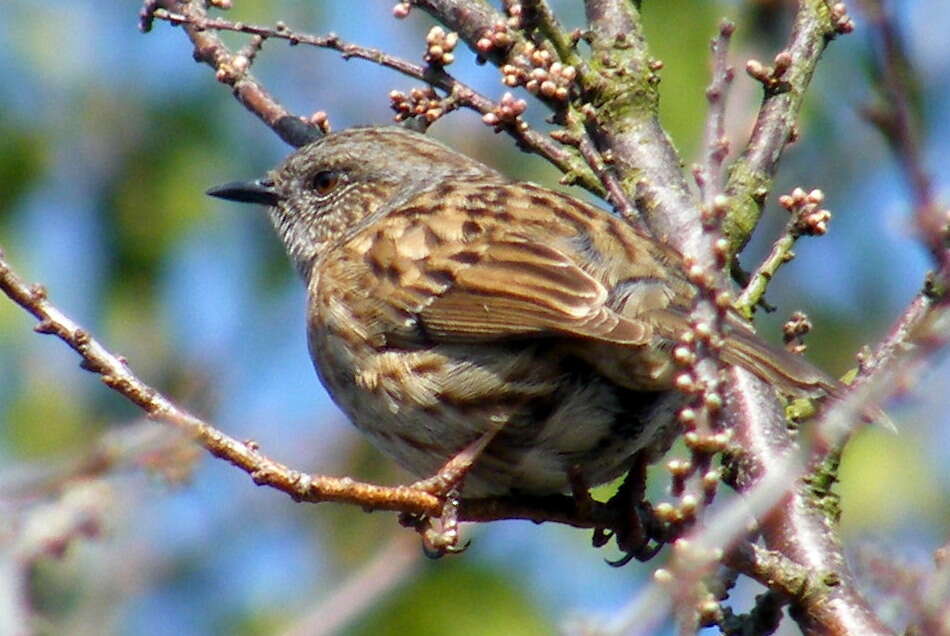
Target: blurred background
108	139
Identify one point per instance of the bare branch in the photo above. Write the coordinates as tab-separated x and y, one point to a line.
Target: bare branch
116	374
793	517
232	70
709	174
895	119
750	176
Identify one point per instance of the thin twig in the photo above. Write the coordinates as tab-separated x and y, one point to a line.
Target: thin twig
210	49
751	175
715	144
807	218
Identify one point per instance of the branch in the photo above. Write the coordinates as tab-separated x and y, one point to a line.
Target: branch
793	516
800	522
790	498
751	175
624	99
233	70
116	374
895	119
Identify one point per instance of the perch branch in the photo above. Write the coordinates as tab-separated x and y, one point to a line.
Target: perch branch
116	374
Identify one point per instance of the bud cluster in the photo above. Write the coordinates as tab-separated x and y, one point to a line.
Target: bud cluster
508	111
541	75
794	330
439	46
496	37
420	102
810	219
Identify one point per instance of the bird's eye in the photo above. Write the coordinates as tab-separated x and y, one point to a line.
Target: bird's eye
325	181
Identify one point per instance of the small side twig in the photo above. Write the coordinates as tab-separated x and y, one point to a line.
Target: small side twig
708	175
808	218
750	176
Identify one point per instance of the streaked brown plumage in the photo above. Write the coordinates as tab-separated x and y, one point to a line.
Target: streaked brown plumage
446	300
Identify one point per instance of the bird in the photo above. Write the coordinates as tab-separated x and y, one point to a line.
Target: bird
451	307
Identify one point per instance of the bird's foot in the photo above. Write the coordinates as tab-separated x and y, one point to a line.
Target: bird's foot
443	538
638	534
440	535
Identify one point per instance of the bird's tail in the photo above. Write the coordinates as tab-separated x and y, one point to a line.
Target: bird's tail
791	374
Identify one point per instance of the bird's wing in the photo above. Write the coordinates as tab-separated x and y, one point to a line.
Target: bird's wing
518	287
494	286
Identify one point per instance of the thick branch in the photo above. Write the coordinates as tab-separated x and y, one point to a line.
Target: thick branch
625	101
797	525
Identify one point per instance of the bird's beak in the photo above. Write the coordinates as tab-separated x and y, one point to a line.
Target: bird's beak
259	191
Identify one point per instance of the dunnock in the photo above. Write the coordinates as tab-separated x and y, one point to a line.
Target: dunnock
450	304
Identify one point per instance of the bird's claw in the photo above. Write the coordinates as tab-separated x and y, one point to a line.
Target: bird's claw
637	535
437	541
